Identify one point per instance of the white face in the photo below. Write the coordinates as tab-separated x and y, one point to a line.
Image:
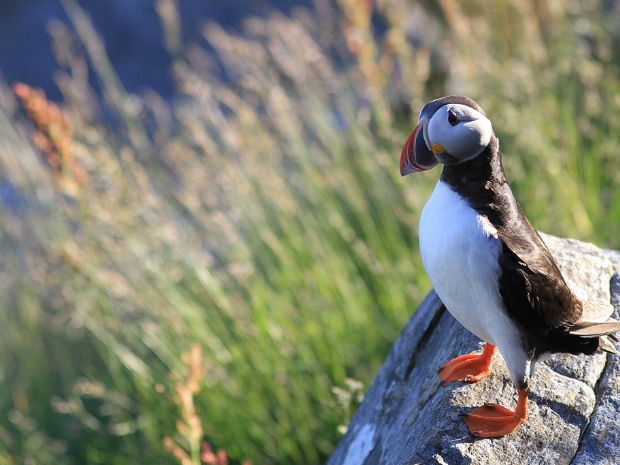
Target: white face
459	131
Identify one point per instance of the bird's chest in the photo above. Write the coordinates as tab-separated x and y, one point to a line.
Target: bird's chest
460	250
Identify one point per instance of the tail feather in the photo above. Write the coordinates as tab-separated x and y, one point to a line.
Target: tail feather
596	311
595	328
605	344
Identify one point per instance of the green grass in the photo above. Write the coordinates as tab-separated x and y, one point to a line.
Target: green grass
264	219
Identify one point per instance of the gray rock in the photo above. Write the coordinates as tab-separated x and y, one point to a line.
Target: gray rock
407	418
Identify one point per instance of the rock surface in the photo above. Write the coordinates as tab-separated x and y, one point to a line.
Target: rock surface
407	418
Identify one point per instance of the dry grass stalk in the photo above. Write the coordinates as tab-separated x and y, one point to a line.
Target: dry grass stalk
52	135
190	426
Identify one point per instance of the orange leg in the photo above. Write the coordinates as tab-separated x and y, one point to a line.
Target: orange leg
494	421
470	368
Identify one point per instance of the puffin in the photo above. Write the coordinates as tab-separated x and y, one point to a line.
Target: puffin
488	264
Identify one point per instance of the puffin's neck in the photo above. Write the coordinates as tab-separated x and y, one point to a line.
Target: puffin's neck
481	181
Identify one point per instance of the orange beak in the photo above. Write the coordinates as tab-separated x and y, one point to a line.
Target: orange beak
416	156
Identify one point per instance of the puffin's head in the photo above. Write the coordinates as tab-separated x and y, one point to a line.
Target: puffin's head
450	130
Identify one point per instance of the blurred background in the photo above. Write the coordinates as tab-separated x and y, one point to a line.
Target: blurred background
206	247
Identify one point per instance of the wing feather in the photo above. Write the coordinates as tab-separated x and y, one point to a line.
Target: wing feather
532	286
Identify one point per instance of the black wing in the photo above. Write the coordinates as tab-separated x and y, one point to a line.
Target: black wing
531	284
536	296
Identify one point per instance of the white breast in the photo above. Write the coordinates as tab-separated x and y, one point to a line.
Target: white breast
460	251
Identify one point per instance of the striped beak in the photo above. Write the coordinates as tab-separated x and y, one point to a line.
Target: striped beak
416	156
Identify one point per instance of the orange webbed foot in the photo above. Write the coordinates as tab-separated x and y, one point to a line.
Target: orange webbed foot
494	421
470	368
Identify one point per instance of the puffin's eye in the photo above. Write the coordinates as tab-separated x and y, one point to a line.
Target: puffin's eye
452	119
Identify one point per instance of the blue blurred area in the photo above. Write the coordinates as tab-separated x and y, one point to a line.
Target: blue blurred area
12	197
130	29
